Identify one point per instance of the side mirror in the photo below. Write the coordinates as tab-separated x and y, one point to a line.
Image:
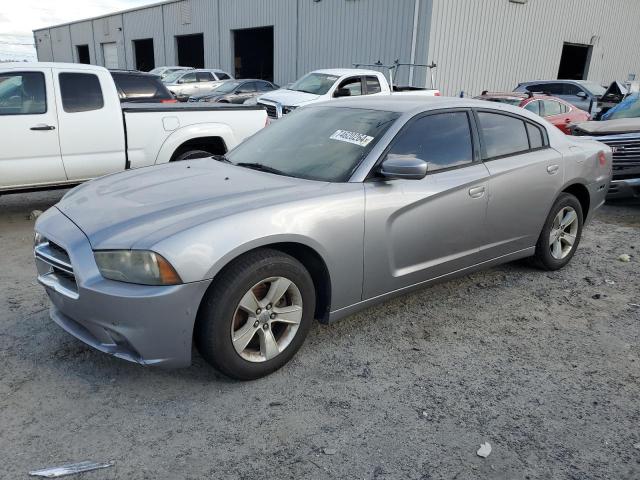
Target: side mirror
404	167
342	92
581	95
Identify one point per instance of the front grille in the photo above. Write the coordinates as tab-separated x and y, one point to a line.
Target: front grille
626	155
57	270
272	111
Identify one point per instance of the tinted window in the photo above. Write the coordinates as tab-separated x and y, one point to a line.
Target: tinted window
536	138
442	140
22	93
80	92
222	76
571	89
264	86
533	107
553	88
322	143
552	108
373	85
502	135
247	87
140	86
204	77
354	85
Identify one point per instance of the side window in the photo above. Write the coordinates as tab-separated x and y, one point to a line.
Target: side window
373	85
533	107
571	89
80	92
554	88
443	140
564	108
536	137
354	85
551	108
264	86
502	135
22	93
222	76
188	78
204	77
247	87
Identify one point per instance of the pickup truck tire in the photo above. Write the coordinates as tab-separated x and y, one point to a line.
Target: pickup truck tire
560	235
256	314
191	154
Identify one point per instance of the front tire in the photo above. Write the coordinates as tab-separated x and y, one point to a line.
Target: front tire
560	235
256	315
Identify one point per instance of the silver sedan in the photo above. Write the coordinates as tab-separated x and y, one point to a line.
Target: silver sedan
335	208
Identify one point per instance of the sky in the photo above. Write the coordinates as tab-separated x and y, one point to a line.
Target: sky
19	18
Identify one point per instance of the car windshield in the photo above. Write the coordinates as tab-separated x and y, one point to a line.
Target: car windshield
227	87
157	71
173	77
315	83
315	143
594	88
628	108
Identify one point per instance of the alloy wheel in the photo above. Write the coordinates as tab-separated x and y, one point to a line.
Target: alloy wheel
267	319
563	233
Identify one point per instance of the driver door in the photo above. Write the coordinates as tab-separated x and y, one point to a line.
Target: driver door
417	230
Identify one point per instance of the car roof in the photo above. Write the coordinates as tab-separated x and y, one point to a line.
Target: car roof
75	66
552	81
346	71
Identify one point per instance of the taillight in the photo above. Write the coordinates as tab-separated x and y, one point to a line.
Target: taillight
437	94
169	100
602	158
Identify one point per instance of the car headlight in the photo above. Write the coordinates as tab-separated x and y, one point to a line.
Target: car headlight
136	266
288	109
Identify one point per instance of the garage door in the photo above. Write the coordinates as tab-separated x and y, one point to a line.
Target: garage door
110	55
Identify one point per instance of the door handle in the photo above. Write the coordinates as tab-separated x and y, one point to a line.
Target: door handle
42	126
552	169
476	192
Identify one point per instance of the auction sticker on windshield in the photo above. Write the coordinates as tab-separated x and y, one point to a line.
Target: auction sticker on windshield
351	137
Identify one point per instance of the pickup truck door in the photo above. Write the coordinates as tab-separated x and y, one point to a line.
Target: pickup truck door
30	152
417	230
91	129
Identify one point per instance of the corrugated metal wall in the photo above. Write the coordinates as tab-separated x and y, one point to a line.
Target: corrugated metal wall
109	30
495	44
82	34
488	44
141	24
281	14
189	17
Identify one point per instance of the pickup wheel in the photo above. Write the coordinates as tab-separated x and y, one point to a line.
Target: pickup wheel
256	315
560	235
191	154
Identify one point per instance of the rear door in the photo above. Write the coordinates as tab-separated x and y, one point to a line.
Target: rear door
91	127
417	230
526	175
30	152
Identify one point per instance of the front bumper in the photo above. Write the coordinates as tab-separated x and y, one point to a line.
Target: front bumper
628	188
145	324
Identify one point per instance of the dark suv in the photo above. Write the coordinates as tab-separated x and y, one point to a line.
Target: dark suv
134	86
580	93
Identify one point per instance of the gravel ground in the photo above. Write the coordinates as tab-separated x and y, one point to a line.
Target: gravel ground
544	366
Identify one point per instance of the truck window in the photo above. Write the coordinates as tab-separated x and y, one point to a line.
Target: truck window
80	92
188	78
373	85
204	77
354	85
222	76
22	93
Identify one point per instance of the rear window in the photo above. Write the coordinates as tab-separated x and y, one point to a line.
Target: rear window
140	86
80	92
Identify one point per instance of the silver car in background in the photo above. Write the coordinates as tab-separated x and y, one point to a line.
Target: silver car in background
339	206
185	83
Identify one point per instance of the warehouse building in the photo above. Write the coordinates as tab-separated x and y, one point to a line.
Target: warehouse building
476	45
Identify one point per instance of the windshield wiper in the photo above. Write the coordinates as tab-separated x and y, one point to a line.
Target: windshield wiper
260	167
221	158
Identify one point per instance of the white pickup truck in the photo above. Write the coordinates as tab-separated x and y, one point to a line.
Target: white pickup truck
327	84
61	124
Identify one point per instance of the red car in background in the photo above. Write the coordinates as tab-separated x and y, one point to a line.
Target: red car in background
554	110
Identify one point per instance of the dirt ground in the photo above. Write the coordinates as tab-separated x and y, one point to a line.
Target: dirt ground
544	366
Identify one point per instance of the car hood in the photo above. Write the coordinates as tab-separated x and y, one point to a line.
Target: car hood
289	97
610	127
141	207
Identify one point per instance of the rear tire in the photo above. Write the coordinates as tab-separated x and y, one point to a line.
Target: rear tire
560	235
191	155
240	318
